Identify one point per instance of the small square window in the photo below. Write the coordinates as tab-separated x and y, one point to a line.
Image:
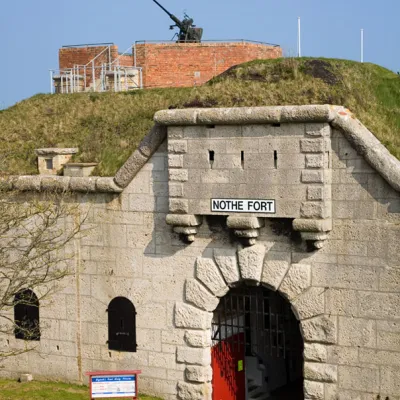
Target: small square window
49	163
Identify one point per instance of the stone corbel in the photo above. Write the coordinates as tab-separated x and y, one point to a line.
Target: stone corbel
245	228
185	225
314	231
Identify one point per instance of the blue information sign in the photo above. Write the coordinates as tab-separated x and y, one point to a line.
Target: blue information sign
104	386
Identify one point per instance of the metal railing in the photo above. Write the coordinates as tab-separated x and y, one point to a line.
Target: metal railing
109	76
210	41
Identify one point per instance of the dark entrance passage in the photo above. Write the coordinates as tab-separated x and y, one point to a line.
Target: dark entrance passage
257	348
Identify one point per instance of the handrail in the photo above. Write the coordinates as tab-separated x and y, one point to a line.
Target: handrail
211	41
87	45
98	55
122	54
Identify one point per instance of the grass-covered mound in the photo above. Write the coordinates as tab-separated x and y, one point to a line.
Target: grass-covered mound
108	126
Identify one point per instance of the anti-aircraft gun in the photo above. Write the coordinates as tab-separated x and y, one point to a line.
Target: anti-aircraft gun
188	33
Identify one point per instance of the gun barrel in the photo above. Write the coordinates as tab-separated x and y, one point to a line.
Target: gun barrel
172	16
159	5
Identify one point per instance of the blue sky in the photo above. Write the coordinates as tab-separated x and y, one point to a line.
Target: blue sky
32	31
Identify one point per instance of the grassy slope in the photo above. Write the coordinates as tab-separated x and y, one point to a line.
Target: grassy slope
12	390
107	127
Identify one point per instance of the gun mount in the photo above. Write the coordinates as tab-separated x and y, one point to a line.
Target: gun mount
188	33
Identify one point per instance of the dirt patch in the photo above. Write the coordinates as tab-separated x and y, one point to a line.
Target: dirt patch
322	70
199	103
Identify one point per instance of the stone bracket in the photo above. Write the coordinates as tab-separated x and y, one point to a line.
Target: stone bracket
185	225
245	228
313	230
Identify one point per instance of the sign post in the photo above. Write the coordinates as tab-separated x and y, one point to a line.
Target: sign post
113	384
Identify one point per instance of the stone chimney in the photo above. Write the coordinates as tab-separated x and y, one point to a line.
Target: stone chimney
51	160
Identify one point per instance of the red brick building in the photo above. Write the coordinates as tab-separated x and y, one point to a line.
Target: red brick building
170	64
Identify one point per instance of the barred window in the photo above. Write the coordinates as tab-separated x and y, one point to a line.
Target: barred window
121	325
26	315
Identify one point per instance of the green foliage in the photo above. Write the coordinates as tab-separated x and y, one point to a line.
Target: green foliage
11	390
107	127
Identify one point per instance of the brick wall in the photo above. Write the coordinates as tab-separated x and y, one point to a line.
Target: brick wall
70	56
174	65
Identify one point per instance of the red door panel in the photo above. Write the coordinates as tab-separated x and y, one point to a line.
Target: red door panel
229	382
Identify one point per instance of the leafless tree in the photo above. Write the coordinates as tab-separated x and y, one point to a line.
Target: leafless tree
36	231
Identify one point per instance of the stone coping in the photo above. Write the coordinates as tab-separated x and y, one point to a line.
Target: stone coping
55	151
80	164
340	118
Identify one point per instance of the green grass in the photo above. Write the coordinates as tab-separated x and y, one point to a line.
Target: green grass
12	390
108	126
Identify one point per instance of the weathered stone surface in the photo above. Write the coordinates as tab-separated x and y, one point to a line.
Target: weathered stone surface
275	268
129	170
359	378
191	391
311	176
369	146
83	184
226	260
107	185
187	316
152	140
296	281
236	222
312	225
178	175
313	390
321	329
208	273
315	352
318	129
177	146
175	160
312	145
198	338
246	233
56	150
320	372
310	303
184	220
198	374
193	355
28	183
55	183
197	294
178	206
251	262
248	115
357	332
390	380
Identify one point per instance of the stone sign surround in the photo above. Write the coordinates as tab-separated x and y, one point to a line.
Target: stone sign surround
213	279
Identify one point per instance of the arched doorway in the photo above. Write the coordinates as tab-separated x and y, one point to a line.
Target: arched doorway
257	348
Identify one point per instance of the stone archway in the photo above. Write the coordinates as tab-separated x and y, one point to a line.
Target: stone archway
228	268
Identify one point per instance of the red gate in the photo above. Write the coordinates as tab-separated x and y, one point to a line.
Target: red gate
228	368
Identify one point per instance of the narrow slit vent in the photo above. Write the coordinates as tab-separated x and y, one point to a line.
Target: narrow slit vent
242	158
211	155
275	159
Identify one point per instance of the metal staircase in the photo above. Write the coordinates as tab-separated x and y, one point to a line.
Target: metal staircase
97	76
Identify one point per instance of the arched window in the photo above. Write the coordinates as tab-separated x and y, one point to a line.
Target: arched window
26	315
121	325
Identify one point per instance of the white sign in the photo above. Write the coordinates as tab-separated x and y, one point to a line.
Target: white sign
113	386
243	205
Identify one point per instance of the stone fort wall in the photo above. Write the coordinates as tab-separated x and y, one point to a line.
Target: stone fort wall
345	292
